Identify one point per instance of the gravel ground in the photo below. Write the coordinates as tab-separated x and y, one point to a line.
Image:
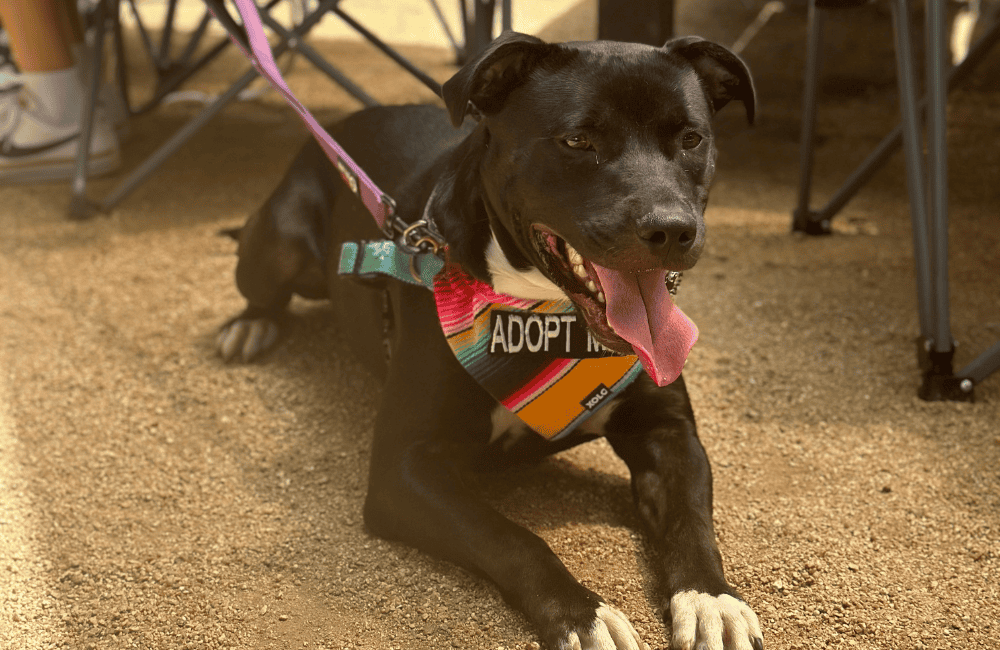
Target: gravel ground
153	497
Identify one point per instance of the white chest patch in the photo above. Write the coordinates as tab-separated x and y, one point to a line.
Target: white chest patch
594	425
529	285
507	427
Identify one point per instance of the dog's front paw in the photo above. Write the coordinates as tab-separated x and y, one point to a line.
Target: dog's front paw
705	622
610	630
247	336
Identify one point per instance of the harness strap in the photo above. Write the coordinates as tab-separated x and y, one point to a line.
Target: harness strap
379	204
373	259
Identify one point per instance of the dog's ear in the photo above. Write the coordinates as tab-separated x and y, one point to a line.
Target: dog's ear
724	75
486	81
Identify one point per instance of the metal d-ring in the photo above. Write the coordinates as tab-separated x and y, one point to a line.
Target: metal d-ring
419	246
414	271
413	227
414	230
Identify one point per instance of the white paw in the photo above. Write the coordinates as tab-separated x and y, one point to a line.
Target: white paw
610	631
704	622
247	338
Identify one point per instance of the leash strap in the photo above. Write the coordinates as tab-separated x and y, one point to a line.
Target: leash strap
379	204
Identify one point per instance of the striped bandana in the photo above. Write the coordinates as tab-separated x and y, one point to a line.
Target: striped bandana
537	358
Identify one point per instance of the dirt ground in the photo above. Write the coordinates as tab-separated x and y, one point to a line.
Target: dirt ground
153	497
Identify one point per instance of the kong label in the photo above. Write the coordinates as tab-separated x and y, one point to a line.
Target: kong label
559	335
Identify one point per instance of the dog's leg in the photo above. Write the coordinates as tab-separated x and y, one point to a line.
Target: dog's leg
271	267
280	253
653	431
434	418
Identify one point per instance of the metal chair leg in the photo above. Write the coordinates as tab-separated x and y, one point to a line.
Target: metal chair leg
982	367
937	153
80	207
940	382
803	217
914	156
928	194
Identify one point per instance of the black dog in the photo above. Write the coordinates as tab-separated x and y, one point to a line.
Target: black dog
585	177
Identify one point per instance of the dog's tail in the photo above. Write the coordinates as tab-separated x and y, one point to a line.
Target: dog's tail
232	233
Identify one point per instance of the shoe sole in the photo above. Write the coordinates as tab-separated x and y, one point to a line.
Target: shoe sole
63	169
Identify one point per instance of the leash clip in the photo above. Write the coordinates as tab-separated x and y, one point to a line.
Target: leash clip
415	238
418	237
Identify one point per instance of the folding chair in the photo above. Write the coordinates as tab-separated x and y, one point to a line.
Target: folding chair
172	71
928	191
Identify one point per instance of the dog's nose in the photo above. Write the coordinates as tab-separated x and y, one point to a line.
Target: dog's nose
663	233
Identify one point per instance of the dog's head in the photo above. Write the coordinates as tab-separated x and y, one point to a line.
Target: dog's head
594	165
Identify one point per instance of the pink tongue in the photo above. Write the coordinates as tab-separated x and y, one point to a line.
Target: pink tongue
641	312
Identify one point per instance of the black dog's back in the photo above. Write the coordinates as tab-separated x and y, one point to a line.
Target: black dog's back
392	143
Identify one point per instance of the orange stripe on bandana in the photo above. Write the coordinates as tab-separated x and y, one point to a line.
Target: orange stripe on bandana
564	402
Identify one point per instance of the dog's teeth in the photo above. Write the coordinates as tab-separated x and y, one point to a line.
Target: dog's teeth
574	257
591	286
600	297
580	271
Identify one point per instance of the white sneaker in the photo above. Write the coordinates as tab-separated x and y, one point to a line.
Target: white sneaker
10	81
35	148
10	76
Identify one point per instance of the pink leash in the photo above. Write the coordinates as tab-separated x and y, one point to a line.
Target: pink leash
381	206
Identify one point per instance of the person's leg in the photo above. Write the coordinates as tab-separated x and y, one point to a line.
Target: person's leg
40	124
36	34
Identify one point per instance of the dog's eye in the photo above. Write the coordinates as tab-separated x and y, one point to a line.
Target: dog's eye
690	140
578	142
